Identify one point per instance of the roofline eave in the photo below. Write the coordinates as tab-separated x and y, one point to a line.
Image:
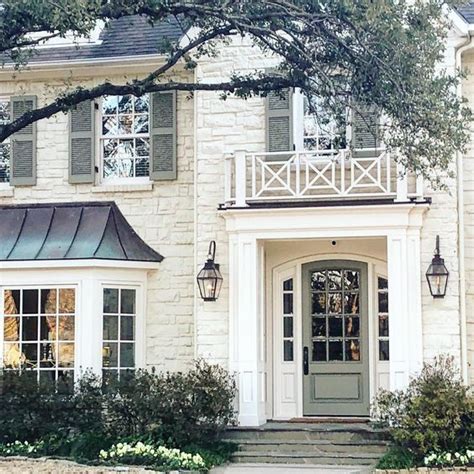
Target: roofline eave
77	63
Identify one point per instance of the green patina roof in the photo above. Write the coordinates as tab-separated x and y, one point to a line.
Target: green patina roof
70	231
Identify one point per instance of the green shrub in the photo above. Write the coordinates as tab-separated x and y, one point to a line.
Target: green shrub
175	408
30	410
434	413
397	458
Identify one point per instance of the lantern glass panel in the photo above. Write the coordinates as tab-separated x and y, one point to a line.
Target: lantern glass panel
437	284
210	283
437	276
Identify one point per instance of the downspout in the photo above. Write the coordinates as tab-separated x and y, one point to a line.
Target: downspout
195	204
461	234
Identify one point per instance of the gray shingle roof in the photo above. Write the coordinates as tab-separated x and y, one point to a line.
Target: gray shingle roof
127	36
70	231
467	12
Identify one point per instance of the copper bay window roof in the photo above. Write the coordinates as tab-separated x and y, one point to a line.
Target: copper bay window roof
70	231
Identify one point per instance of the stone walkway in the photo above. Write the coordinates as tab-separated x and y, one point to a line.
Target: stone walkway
20	465
288	468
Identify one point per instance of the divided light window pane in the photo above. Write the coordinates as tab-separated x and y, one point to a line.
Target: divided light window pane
320	130
39	332
383	328
119	322
125	137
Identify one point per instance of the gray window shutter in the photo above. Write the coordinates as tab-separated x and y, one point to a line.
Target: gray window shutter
365	127
23	144
279	121
82	143
163	136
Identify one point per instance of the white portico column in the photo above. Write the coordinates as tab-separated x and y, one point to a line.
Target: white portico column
247	327
405	324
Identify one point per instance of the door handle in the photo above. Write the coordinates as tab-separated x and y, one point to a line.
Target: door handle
305	361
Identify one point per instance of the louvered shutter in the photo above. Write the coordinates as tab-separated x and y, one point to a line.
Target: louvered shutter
365	127
279	121
163	136
82	143
23	144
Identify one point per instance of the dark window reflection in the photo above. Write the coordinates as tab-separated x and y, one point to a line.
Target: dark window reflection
384	350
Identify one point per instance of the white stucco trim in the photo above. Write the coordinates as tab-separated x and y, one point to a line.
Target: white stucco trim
314	222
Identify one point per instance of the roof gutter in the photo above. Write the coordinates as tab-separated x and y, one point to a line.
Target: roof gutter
468	44
117	60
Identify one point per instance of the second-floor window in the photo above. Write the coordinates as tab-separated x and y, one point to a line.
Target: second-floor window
315	126
5	146
320	130
125	137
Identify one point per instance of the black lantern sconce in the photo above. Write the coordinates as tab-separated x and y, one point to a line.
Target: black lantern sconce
437	274
209	279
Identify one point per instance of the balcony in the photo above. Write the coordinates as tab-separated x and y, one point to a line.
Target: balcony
289	178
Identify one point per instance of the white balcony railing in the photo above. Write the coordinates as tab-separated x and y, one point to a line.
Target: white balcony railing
320	175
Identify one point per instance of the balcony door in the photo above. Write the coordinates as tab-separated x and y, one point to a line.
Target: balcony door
335	339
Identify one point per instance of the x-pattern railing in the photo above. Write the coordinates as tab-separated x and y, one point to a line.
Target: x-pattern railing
314	175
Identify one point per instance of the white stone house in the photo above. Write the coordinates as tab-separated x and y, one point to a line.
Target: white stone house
106	216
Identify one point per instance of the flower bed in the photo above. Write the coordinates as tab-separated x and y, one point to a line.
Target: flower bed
147	454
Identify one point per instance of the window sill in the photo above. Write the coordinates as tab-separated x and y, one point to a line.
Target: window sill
6	192
121	188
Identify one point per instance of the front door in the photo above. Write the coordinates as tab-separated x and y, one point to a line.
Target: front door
335	339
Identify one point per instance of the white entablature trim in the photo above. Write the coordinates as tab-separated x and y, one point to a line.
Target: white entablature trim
85	263
308	222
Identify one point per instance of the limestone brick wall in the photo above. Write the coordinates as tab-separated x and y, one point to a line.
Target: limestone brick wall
222	127
468	165
161	213
441	324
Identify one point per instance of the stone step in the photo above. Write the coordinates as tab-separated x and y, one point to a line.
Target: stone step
275	457
314	446
334	435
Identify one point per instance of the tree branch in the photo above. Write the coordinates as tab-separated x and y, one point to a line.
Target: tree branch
257	86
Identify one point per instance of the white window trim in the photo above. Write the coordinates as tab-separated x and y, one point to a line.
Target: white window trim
101	181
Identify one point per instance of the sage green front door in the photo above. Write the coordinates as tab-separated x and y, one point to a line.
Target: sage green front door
335	339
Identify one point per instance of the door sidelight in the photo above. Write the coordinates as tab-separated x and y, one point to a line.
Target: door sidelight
305	361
